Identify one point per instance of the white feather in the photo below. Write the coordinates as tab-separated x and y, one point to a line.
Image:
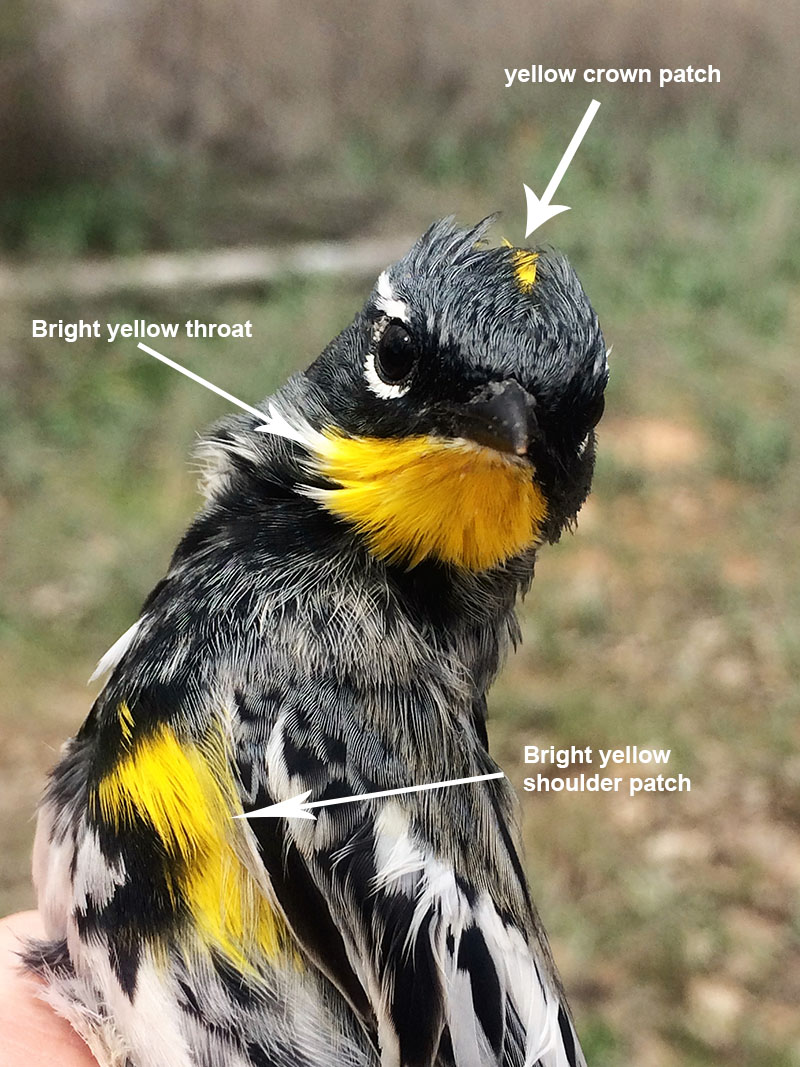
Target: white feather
397	859
52	862
146	1031
96	878
439	894
111	658
470	1047
388	303
153	1021
301	432
536	1001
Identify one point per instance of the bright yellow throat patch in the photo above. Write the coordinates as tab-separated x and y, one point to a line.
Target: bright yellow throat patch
421	497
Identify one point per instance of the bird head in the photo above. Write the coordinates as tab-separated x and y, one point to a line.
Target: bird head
454	418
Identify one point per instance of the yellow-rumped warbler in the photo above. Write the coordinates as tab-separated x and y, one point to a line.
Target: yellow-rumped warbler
331	622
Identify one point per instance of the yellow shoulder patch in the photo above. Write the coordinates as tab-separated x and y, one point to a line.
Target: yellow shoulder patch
125	723
186	794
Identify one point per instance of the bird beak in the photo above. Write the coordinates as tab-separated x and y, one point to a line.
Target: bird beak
503	417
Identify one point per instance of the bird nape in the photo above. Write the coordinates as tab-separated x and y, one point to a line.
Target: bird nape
331	622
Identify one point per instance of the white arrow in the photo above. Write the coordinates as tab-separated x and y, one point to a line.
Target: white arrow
202	381
297	808
540	209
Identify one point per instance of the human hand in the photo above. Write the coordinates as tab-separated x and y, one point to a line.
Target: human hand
31	1034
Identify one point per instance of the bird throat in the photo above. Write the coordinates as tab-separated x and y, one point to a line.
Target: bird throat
426	497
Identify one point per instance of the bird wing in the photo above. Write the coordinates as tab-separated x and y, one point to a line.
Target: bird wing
413	934
413	907
165	942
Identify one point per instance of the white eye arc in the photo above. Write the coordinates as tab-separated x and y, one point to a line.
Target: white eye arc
395	310
379	387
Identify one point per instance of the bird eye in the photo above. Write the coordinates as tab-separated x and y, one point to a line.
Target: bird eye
397	353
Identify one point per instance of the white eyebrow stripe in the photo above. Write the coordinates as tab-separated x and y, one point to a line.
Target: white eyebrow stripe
388	303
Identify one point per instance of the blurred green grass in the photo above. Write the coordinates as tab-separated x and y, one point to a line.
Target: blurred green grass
671	618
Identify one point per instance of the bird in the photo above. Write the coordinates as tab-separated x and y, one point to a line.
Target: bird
330	623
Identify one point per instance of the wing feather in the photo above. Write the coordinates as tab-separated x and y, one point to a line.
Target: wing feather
436	969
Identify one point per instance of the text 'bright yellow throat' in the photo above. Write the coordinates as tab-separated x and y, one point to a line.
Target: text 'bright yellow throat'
419	497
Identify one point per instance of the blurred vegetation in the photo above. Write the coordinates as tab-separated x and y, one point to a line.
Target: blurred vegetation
671	619
146	124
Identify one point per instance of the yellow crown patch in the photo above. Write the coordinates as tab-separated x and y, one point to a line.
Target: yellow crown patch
525	268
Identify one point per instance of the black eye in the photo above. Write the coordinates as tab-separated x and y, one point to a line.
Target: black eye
397	353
